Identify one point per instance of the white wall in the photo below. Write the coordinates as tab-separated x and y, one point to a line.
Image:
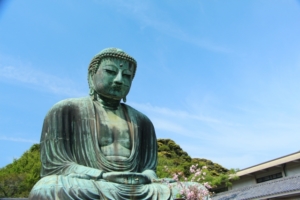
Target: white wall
243	181
292	169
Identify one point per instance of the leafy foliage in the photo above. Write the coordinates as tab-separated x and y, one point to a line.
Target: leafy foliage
17	178
171	155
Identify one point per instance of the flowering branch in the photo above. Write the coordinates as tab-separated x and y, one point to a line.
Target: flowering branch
196	188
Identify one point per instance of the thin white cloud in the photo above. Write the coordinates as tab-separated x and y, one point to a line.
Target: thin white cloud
148	16
173	113
169	126
187	124
13	139
244	142
212	153
33	78
232	161
179	122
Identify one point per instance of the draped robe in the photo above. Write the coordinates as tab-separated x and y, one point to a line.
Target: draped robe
72	159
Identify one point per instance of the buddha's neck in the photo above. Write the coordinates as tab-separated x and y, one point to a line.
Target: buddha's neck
108	103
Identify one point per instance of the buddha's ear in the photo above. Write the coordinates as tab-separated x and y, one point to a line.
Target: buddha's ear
91	85
90	78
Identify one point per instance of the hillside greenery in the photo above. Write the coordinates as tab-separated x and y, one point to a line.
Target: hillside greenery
17	178
171	155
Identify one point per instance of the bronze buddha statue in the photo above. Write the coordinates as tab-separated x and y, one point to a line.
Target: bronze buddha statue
96	147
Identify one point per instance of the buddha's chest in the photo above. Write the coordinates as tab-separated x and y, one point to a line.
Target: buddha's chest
113	134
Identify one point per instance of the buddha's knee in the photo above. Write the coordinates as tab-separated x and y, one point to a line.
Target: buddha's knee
45	188
64	187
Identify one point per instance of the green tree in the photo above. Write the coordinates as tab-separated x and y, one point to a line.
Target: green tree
17	178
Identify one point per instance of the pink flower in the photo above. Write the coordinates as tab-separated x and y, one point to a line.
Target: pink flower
191	191
206	184
175	177
198	173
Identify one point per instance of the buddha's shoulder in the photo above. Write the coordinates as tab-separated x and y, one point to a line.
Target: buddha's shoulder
72	103
137	113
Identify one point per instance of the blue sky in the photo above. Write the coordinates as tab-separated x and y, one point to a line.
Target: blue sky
220	78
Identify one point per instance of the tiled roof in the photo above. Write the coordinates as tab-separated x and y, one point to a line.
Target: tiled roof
275	187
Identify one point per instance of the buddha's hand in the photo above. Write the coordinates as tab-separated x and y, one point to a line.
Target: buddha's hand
80	176
130	178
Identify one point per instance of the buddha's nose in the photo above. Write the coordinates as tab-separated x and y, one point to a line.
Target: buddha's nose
119	79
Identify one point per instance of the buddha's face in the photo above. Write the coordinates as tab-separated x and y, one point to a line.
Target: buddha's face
113	78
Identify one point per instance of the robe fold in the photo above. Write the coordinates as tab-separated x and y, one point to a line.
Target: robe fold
72	159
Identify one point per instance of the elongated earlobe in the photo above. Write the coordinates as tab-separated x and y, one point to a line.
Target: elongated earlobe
95	97
124	99
93	93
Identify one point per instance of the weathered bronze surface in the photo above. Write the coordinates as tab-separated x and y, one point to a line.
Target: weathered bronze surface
96	147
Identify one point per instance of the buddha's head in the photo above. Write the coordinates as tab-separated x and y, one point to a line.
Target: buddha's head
110	74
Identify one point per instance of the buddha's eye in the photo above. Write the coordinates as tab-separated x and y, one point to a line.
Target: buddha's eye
127	75
111	72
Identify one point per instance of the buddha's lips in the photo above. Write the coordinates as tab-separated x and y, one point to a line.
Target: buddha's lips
118	87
